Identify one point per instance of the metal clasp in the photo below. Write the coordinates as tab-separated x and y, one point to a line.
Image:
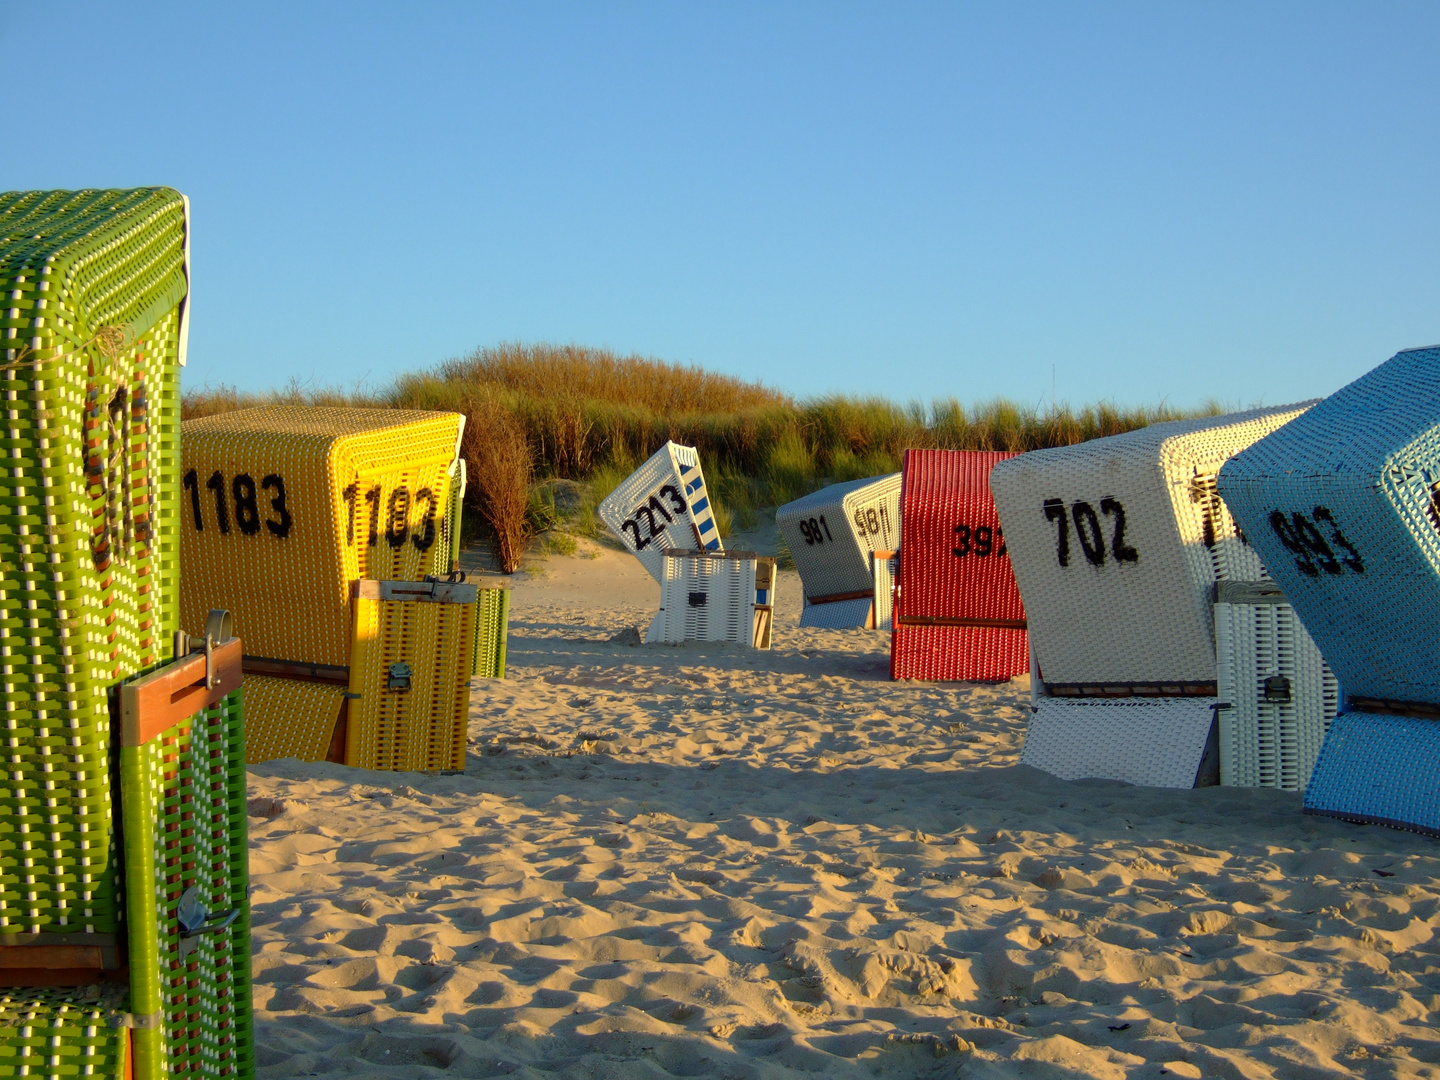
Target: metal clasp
194	920
219	626
399	678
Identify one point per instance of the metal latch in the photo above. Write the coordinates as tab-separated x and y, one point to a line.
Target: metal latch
399	678
1277	689
697	599
194	920
219	626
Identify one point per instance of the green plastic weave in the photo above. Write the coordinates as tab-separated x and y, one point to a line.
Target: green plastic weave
62	1032
183	795
93	284
492	627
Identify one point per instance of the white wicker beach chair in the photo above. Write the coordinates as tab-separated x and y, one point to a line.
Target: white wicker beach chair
663	504
831	534
1277	694
1152	742
1117	544
713	596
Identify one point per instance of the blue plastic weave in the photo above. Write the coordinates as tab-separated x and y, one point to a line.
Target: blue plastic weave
1343	505
1379	769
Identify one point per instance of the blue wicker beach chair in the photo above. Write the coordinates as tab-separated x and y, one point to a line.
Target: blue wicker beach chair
1343	505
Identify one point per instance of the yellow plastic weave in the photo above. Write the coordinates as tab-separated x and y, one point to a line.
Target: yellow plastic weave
294	503
424	728
289	718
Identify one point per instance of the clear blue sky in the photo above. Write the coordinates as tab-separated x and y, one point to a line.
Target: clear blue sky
1160	200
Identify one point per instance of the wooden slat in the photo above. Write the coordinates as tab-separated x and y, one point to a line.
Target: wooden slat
1123	690
835	598
163	698
944	620
291	669
1392	708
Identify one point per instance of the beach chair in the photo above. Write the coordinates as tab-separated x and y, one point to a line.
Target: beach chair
413	656
284	508
957	614
831	534
663	504
1342	505
721	596
95	286
1277	696
1117	545
186	870
884	569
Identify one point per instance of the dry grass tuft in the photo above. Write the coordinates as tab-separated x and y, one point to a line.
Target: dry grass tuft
500	469
575	413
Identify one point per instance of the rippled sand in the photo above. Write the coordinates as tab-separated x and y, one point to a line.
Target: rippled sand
716	862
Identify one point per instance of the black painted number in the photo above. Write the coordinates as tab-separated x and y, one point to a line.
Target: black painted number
817	530
245	496
425	536
279	526
1089	532
980	540
1302	536
654	526
247	510
192	485
397	518
216	483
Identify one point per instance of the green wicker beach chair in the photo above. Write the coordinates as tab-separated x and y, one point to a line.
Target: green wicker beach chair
93	335
182	794
94	328
492	627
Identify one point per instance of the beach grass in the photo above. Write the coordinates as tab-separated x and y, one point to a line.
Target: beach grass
541	412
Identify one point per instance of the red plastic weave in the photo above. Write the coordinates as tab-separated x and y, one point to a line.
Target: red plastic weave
953	566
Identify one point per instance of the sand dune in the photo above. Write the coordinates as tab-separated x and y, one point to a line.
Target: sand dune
706	861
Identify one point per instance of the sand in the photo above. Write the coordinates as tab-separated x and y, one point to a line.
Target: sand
715	862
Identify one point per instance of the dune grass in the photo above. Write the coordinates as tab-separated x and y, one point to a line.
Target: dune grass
592	415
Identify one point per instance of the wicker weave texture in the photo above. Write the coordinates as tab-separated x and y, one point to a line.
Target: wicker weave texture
62	1032
423	725
287	718
958	653
1117	544
663	504
1379	769
839	614
94	284
285	506
492	632
1151	742
831	534
955	573
885	570
183	795
450	532
707	600
1270	739
1343	506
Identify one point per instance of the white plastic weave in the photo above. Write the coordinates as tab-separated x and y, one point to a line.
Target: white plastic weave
663	504
1152	742
706	599
886	565
1277	695
1116	545
831	534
